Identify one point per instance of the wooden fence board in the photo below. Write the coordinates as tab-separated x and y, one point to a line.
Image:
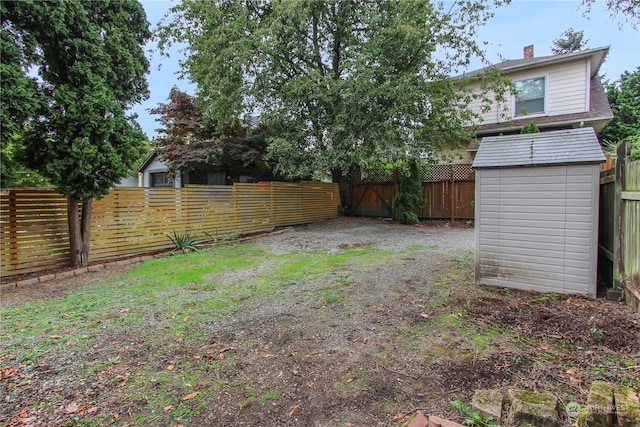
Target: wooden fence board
128	221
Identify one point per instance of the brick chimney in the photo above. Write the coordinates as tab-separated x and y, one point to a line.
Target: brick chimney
528	52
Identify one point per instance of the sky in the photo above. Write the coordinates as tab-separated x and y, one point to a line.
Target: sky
519	24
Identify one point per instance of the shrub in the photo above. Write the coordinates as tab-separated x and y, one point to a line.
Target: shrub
183	241
530	128
409	197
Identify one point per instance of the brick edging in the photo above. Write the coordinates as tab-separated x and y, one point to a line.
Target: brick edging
76	272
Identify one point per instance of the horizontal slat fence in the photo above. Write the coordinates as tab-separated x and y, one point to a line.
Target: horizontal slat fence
129	221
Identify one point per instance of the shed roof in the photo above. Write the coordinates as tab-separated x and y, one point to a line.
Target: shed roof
572	146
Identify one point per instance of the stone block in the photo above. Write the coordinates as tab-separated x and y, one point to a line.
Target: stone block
599	409
64	275
27	282
533	408
419	420
489	404
47	277
94	268
627	406
80	271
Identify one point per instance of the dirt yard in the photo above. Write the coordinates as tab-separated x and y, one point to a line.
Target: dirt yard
361	344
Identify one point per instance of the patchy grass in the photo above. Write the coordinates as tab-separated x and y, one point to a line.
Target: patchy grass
243	335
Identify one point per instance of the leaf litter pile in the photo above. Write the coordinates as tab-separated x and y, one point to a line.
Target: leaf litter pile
348	322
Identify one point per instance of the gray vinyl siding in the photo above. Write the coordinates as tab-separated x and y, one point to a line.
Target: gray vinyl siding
536	228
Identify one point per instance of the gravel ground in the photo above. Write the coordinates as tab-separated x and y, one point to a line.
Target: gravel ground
406	333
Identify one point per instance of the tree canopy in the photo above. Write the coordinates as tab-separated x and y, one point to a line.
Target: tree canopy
339	84
70	71
626	10
569	41
188	141
624	98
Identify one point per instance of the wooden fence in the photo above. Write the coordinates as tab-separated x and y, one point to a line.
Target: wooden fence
128	221
448	190
619	234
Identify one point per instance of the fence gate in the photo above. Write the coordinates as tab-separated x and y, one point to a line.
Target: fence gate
448	191
619	254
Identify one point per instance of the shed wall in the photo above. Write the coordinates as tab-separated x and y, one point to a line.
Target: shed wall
536	228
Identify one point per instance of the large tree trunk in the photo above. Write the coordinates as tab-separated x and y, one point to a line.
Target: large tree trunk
79	231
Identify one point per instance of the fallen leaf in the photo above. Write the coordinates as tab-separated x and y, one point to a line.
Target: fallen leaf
116	416
70	343
171	367
6	373
93	410
398	416
190	396
23	413
294	409
349	425
168	407
424	315
55	337
71	408
221	356
544	345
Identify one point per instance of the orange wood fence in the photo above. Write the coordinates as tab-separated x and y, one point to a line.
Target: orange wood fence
129	221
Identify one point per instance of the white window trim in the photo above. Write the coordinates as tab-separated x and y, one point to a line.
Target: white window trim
546	97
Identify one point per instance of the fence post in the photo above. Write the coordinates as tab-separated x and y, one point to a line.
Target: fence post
453	194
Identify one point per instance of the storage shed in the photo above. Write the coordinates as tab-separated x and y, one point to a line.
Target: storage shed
536	211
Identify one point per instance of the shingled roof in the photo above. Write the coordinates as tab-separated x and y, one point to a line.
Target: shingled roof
571	146
598	56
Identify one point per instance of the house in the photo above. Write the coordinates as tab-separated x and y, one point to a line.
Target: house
238	163
537	195
555	92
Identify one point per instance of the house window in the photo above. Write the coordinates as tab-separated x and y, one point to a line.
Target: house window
159	179
530	96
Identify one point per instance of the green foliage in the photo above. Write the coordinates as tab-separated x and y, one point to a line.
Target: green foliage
70	122
474	418
13	173
339	84
90	67
188	141
624	98
410	194
570	41
635	146
184	241
530	128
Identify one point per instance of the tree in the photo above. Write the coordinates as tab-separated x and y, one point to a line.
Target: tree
569	41
91	68
186	140
190	142
628	10
339	84
624	98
